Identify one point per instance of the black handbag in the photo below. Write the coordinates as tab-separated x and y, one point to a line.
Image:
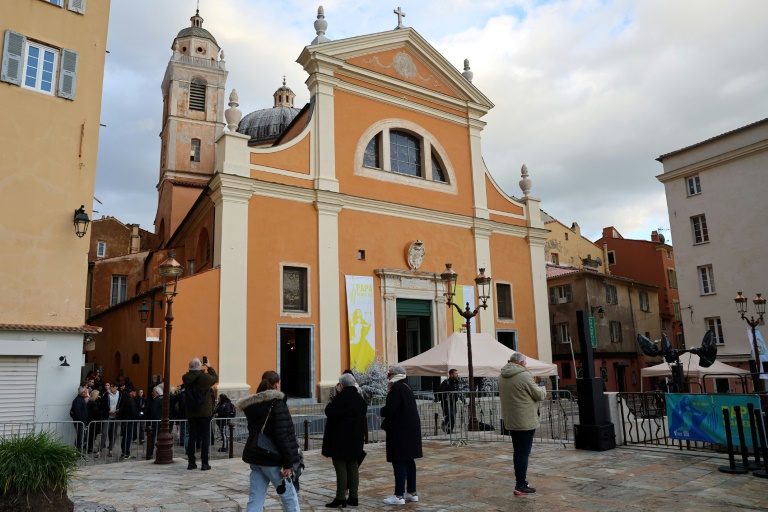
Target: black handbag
262	444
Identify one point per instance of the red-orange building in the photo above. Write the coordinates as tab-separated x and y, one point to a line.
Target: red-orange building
653	262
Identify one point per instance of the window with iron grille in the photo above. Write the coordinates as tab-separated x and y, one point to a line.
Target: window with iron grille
615	328
294	289
197	95
405	153
504	300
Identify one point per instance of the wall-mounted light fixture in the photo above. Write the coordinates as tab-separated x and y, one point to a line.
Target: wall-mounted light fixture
81	221
63	359
600	311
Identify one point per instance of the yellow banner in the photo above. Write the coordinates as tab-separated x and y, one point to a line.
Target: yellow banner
360	317
463	295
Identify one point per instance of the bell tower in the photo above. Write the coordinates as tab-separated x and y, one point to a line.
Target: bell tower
193	118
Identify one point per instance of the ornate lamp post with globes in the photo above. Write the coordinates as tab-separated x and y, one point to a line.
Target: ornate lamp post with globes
170	270
483	282
741	307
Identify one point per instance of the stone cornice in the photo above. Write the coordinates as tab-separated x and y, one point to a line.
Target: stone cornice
715	161
230	188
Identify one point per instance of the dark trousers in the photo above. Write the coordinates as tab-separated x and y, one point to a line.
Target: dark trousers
199	429
522	441
347	477
152	438
404	470
78	436
125	443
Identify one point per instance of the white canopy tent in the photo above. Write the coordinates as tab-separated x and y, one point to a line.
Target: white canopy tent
488	357
692	369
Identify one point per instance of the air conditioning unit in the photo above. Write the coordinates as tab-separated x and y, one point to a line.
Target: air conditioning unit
562	300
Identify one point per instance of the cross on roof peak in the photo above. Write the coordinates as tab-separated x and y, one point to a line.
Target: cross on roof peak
400	16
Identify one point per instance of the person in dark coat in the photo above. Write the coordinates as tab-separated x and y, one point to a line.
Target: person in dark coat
129	413
448	394
403	428
80	415
202	377
154	415
343	439
94	418
268	410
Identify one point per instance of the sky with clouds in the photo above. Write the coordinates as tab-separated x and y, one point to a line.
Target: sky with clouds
587	93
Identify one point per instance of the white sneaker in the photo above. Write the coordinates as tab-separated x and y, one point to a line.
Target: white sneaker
394	500
411	497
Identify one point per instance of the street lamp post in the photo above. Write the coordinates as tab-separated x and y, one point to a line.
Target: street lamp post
170	270
741	307
450	277
144	312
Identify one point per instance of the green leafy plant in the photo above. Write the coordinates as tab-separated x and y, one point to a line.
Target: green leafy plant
35	462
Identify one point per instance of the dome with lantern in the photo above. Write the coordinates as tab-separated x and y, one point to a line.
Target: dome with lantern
266	125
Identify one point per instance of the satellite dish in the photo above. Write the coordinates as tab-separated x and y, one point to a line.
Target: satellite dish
708	351
661	238
599	262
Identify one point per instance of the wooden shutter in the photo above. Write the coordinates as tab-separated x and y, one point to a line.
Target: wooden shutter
77	6
569	293
552	295
68	75
13	57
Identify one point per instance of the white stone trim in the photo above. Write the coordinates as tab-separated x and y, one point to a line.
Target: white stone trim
282	172
536	243
383	128
507	214
296	314
328	270
715	161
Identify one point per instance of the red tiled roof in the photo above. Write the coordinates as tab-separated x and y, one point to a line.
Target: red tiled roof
85	328
553	271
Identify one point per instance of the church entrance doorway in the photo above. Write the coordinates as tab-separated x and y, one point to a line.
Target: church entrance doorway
414	336
295	361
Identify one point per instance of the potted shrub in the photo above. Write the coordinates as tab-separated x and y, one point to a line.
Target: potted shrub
35	471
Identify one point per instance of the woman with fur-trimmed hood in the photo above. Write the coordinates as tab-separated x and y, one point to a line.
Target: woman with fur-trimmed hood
268	409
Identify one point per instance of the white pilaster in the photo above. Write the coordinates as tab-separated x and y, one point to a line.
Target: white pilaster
230	196
480	199
482	236
321	84
536	240
328	207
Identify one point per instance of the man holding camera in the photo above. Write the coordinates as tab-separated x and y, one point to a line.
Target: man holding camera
520	397
201	377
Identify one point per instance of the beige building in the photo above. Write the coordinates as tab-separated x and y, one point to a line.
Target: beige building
716	196
566	247
50	94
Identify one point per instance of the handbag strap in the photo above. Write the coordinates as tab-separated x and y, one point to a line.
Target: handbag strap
267	418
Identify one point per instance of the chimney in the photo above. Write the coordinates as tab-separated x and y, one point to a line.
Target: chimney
135	239
655	236
575	228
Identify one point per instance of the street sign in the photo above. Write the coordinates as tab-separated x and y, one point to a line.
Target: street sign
592	334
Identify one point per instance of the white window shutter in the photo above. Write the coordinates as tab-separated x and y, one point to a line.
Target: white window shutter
76	6
13	57
68	75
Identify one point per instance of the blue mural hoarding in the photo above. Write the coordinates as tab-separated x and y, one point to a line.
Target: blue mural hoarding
700	417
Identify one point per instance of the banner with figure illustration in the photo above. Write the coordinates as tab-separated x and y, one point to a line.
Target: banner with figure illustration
463	295
700	417
360	317
761	350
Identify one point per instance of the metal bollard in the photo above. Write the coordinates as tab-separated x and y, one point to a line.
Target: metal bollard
742	441
437	418
731	467
753	430
762	473
148	434
306	435
231	439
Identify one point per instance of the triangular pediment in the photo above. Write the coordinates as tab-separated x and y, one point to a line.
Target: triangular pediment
403	55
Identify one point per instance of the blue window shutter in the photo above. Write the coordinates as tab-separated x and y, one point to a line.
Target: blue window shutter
13	57
77	6
68	75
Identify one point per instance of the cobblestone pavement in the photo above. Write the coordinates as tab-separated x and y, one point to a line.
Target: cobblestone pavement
476	477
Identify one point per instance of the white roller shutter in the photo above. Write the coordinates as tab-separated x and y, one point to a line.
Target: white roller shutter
18	386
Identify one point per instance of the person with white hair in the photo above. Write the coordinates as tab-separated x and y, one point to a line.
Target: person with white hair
154	415
403	427
343	439
79	414
520	397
